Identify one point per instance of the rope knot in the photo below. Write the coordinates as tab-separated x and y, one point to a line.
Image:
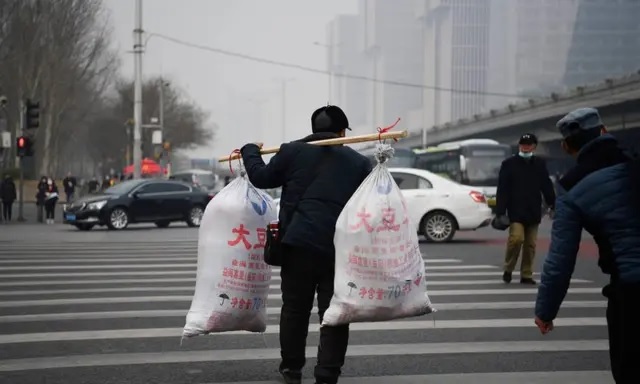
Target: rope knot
387	129
383	152
235	152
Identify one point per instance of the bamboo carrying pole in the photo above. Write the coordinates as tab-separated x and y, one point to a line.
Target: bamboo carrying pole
337	141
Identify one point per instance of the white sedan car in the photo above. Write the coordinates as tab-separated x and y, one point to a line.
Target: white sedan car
439	207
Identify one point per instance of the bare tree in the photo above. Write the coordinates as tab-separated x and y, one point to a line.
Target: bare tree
56	52
185	123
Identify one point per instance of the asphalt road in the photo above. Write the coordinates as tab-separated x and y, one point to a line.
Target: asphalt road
108	307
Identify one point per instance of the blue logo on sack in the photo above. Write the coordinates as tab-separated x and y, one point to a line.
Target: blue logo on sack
258	202
385	185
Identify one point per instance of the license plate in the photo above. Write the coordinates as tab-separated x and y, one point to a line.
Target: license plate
491	202
71	217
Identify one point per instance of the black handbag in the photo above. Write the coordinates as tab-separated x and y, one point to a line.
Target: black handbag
500	223
275	230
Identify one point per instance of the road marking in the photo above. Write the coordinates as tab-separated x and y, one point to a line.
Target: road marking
142	333
272	311
18	283
567	377
180	265
163	257
112	359
272	287
178	298
146	273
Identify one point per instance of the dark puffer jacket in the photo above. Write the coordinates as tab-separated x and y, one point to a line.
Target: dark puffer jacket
521	186
310	225
598	197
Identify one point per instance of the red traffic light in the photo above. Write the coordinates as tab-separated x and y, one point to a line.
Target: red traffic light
21	142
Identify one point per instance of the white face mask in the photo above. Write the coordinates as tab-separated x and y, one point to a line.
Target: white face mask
525	155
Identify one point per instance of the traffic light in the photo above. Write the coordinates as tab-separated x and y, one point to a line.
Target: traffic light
24	146
32	115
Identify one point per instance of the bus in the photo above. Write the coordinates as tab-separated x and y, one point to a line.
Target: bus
473	162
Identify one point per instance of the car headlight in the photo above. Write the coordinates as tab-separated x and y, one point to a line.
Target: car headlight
97	205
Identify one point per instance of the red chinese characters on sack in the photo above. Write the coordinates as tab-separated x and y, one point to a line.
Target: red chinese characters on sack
242	234
364	217
242	237
392	292
388	221
262	238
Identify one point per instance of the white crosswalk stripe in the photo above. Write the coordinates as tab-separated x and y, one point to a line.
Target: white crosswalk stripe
73	306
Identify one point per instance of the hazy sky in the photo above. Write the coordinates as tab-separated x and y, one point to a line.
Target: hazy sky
243	97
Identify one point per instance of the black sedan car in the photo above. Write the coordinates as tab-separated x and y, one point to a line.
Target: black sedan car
139	201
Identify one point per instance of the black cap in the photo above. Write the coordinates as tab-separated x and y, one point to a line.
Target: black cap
329	119
528	139
579	120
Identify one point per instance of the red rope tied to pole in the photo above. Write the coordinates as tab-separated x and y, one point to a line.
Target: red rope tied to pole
234	152
387	129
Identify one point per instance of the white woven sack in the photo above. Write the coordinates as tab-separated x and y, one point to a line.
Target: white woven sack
232	282
380	273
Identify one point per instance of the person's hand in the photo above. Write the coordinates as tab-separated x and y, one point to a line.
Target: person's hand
544	326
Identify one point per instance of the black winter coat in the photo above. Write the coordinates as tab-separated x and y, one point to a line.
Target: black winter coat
311	224
8	191
521	185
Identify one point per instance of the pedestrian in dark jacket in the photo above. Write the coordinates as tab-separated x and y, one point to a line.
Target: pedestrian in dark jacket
597	195
522	182
50	200
69	184
8	196
316	184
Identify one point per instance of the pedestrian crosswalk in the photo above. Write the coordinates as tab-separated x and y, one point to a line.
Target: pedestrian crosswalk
113	312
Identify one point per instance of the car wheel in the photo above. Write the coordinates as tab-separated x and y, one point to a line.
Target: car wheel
118	219
84	227
439	227
194	217
163	223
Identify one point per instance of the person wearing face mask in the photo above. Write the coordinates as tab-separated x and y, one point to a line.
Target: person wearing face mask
522	182
51	198
600	194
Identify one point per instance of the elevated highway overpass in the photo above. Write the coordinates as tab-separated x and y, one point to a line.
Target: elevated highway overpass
618	101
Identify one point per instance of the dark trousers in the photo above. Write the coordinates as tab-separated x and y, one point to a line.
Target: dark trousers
623	321
7	208
50	210
303	274
69	196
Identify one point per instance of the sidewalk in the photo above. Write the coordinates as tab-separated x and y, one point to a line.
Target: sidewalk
30	214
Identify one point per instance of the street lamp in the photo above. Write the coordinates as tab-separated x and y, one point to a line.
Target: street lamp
258	103
329	48
283	82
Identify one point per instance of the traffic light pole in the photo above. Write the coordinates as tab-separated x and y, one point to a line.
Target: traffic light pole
137	103
21	166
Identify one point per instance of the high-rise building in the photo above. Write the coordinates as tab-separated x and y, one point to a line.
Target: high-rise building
345	59
456	57
391	43
605	41
544	46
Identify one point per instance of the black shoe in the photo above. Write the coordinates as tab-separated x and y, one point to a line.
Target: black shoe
506	277
527	280
290	376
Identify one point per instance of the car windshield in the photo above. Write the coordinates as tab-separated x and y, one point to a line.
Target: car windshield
483	171
206	180
123	188
483	165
